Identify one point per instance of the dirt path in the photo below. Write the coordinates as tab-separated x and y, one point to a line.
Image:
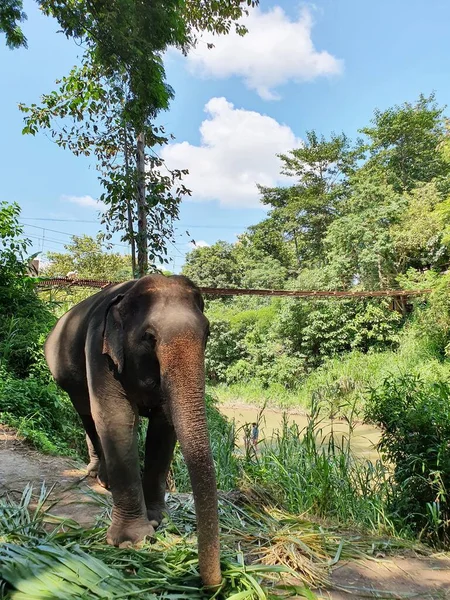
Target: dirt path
20	464
421	578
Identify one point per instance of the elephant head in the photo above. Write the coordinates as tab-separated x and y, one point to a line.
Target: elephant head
155	334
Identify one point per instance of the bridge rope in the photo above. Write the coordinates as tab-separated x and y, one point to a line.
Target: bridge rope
212	291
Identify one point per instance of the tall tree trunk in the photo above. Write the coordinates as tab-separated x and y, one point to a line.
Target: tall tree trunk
129	211
142	245
297	254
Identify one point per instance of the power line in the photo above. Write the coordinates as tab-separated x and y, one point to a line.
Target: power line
58	220
65	233
46	239
98	223
47	229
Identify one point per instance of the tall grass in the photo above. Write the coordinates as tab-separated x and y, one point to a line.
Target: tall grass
310	471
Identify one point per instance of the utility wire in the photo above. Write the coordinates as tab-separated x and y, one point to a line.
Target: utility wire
177	248
97	222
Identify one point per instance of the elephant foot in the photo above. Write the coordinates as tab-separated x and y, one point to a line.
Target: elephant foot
93	467
129	534
155	515
102	475
97	468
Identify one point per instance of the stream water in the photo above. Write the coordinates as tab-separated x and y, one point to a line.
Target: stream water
363	441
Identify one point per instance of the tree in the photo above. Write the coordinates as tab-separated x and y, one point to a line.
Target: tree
421	236
267	237
11	14
404	142
87	257
125	40
86	116
305	210
234	265
100	20
359	244
24	318
213	266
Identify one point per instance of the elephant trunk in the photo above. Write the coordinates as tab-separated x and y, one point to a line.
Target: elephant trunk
183	379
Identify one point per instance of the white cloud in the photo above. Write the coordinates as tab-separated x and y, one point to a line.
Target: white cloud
198	244
274	51
238	149
85	201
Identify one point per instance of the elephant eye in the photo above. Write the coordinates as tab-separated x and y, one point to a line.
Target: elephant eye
149	338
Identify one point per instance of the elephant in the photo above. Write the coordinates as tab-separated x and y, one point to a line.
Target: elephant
137	349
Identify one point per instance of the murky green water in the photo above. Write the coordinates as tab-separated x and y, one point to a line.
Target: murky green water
363	440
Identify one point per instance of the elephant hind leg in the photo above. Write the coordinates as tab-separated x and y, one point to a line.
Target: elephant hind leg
159	446
97	465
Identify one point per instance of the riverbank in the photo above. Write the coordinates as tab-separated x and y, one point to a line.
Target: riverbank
363	438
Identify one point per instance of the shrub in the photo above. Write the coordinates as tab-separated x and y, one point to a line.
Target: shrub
24	318
43	414
414	417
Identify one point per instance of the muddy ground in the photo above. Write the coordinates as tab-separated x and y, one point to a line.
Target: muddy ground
422	578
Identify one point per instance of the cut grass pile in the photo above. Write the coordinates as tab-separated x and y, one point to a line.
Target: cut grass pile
266	553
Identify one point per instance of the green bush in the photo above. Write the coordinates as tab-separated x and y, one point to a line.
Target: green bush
327	328
24	318
43	414
414	417
280	341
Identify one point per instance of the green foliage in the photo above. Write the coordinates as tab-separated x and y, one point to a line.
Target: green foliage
24	319
280	342
213	266
304	211
41	557
327	328
127	37
434	319
359	243
86	115
88	258
217	17
11	14
42	414
307	472
404	141
414	417
222	350
421	238
12	245
234	265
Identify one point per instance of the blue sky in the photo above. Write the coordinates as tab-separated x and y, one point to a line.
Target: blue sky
322	66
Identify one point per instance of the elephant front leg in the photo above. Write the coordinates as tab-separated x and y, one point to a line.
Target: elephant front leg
116	422
159	446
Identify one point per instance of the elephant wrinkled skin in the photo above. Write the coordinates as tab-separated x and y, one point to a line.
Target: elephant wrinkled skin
137	348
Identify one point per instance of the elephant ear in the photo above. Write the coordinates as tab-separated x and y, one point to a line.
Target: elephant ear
113	333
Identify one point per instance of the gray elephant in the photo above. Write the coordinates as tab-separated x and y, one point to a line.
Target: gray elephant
137	348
